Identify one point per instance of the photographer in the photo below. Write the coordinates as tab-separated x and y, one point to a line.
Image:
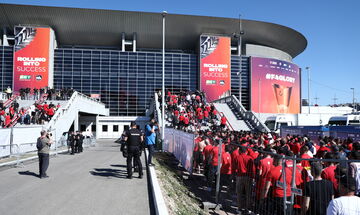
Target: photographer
150	132
43	145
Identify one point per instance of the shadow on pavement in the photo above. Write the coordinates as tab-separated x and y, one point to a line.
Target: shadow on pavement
28	173
108	172
118	165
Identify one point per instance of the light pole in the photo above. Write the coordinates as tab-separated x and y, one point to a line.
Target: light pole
353	89
164	13
239	53
308	72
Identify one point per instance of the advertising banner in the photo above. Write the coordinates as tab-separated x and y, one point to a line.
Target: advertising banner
275	86
215	66
31	57
181	144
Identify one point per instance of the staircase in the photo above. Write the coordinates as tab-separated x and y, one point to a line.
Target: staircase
234	119
238	116
67	115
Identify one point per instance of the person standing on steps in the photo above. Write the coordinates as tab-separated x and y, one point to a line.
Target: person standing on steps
43	145
133	140
150	131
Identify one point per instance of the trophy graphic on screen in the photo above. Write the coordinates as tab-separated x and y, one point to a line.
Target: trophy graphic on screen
282	94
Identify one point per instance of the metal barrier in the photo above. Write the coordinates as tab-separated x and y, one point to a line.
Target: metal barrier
292	186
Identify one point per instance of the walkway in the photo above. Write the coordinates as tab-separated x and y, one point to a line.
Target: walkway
93	182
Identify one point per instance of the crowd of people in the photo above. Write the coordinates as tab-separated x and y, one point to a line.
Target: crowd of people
34	114
189	111
52	94
254	164
75	142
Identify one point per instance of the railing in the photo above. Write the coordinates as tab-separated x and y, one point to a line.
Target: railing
64	110
8	102
157	112
248	116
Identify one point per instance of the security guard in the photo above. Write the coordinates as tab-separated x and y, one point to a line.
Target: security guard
133	139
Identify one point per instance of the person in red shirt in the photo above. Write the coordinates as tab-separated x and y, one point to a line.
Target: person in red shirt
243	181
223	122
265	165
45	106
214	159
50	112
58	106
206	116
329	172
214	113
206	153
226	167
304	154
274	175
322	150
7	120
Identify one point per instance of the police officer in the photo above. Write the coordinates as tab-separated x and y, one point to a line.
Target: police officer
133	139
71	141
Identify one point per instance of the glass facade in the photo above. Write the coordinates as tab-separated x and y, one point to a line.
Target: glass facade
6	66
127	81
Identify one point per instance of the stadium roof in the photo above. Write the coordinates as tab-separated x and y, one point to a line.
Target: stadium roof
93	27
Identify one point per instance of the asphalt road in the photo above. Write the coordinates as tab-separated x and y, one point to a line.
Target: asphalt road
93	182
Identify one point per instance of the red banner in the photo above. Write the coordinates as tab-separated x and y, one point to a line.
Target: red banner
215	66
275	86
31	57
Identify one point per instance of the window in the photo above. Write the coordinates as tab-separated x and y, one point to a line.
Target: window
93	127
115	128
105	128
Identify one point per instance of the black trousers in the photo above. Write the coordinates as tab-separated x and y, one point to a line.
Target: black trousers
72	145
43	164
134	153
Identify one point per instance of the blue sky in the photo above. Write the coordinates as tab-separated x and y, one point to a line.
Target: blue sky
331	27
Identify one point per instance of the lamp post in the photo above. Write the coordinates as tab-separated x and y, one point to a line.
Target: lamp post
353	89
239	53
164	13
308	72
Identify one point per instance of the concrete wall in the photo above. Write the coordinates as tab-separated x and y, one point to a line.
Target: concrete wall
267	52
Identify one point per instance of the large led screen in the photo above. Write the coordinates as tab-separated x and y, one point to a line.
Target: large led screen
275	86
31	57
215	66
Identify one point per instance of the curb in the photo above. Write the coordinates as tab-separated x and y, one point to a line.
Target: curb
159	203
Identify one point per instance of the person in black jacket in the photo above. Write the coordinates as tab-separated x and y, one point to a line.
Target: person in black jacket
71	142
134	139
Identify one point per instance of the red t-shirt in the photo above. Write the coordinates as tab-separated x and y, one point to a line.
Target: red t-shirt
275	175
186	120
206	114
2	112
207	150
329	174
7	120
215	155
226	164
50	112
223	120
176	113
305	163
243	164
181	118
214	112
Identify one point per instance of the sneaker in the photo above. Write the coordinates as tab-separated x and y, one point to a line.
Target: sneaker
129	176
140	176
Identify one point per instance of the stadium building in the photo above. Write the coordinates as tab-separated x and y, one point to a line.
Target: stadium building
117	55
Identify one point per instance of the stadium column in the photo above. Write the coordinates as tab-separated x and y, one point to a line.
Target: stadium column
164	13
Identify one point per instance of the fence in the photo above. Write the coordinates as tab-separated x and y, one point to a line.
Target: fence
292	186
21	140
181	144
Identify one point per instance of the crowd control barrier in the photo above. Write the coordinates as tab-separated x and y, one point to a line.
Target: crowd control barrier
181	144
